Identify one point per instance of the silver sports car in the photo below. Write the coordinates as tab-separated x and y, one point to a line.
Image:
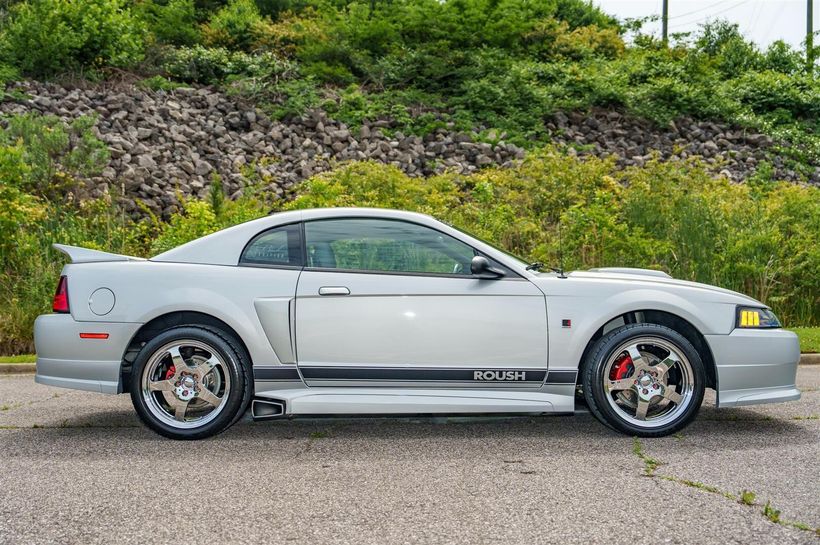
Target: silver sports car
366	311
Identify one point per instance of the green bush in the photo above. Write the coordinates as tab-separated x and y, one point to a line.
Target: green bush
234	26
173	22
209	65
775	94
47	37
54	154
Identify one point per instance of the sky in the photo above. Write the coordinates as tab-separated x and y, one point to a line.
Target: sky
761	21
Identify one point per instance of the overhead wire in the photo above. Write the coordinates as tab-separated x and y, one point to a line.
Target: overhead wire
709	16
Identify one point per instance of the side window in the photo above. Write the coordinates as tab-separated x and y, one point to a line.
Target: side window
384	245
280	246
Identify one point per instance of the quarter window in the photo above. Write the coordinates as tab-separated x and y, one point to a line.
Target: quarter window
277	247
384	245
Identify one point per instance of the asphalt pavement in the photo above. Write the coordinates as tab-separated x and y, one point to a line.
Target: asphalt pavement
77	467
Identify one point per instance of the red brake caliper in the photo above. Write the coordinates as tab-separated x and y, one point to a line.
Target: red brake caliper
169	374
622	368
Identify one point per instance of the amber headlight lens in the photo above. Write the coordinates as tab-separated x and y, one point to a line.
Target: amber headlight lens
756	318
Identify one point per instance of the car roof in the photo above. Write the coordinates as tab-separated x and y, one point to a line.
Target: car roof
224	247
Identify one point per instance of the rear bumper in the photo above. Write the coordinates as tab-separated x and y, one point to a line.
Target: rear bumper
755	366
67	361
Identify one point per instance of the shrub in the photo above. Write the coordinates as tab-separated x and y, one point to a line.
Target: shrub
55	153
234	26
47	37
18	209
777	94
508	97
210	65
173	22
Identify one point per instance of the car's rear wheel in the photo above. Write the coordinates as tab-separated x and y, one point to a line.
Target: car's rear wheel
644	379
190	382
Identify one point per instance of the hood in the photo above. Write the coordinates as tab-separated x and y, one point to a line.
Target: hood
638	278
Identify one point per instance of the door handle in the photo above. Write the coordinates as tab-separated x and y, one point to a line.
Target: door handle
334	290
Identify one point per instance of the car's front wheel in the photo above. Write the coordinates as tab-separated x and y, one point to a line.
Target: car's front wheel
644	379
190	382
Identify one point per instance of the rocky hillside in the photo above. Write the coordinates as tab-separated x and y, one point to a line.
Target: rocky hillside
166	145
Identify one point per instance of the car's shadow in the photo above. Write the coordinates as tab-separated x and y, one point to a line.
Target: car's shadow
729	428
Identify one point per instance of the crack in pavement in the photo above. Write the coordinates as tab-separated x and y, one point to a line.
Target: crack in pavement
18	404
746	497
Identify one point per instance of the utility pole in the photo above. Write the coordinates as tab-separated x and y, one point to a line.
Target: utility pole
665	18
809	36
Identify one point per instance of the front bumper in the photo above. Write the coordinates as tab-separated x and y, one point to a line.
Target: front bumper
67	361
755	366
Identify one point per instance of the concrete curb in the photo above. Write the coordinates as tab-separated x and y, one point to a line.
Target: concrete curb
810	359
16	368
29	368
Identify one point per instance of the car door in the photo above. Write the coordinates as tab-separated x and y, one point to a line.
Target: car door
384	302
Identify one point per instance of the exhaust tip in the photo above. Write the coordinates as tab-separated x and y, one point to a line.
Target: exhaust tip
265	409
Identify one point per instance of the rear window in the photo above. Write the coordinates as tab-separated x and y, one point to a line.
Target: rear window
277	247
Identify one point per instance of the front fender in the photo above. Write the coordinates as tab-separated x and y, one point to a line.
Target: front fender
587	314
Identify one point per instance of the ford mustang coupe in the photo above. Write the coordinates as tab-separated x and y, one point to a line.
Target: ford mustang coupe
366	311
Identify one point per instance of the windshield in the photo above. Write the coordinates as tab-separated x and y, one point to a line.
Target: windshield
520	261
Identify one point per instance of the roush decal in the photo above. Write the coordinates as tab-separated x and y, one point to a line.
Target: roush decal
500	376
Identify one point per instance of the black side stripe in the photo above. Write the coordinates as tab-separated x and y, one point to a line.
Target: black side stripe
561	377
409	374
276	373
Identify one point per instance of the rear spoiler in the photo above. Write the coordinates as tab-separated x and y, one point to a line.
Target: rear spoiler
86	255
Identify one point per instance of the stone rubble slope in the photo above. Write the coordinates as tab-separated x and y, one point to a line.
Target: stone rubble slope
169	145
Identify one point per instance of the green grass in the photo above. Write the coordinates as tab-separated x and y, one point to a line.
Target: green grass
22	358
809	338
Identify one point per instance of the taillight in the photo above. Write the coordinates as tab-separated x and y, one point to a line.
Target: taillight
60	303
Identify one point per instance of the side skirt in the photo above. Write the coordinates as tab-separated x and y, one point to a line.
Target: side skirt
383	401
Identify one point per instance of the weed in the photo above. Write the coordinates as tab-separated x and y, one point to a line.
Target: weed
771	513
650	464
747	497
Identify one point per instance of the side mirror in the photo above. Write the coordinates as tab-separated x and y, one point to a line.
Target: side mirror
480	267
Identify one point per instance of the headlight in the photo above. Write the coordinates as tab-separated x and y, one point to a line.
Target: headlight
756	318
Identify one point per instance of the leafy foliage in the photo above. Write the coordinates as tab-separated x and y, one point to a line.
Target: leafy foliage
234	25
54	154
47	37
208	65
173	22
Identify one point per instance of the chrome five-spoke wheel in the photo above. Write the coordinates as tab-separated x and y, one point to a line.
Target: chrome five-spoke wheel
649	381
185	383
644	379
191	382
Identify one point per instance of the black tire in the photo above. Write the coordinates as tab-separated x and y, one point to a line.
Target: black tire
236	365
595	365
